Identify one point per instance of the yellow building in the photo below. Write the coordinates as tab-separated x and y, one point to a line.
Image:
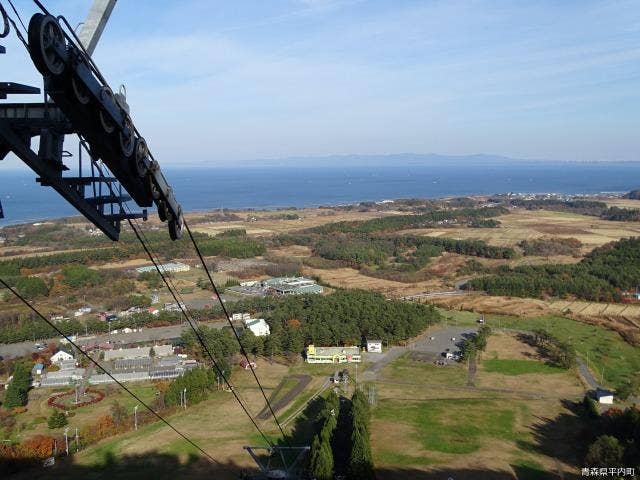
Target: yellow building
333	354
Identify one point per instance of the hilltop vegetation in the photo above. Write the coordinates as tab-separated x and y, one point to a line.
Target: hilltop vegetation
601	276
300	320
402	222
582	207
551	246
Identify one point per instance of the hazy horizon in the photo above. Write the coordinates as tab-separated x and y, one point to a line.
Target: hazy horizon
311	78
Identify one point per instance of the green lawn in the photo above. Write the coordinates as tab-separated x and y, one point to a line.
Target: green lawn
454	426
406	369
606	350
518	367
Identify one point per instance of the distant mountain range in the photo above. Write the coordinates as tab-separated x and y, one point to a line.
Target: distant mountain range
400	159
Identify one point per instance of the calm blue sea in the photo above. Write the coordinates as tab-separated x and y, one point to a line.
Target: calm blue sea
270	187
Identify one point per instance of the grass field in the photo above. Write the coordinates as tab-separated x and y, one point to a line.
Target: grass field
518	367
404	368
459	426
428	420
609	356
521	224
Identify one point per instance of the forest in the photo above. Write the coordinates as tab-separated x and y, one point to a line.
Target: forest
236	245
601	276
401	253
582	207
401	222
347	317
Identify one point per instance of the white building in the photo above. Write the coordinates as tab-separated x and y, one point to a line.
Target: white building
61	356
165	267
259	327
163	350
604	396
374	346
126	353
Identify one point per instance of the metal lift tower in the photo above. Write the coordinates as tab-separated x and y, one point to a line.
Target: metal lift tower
78	100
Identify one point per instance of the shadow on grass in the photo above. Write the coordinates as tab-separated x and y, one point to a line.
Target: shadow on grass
564	437
521	472
151	466
156	466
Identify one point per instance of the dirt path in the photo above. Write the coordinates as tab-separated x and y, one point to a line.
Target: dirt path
303	381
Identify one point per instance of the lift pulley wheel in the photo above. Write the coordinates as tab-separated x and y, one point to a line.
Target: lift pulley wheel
47	37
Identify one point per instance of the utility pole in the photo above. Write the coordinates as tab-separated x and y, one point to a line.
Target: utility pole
77	440
185	398
66	439
356	375
135	416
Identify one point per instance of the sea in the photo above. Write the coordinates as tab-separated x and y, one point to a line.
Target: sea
272	187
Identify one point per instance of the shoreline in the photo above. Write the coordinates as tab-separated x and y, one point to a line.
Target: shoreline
380	201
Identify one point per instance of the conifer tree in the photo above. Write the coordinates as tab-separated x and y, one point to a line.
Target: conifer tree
57	420
17	392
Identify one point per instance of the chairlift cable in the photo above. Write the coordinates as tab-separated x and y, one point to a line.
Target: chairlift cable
136	397
183	309
226	313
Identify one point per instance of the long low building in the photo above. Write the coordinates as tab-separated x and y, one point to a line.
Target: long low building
127	353
292	286
333	354
121	377
165	267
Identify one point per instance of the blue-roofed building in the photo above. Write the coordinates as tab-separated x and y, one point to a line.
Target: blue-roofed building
38	369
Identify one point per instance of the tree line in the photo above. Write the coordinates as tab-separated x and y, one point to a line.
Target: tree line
601	276
17	393
475	343
592	208
347	317
235	246
402	222
560	354
361	459
321	461
389	254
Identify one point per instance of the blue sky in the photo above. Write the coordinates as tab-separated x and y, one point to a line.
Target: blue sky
222	82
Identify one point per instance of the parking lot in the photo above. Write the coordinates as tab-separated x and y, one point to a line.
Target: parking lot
442	340
424	345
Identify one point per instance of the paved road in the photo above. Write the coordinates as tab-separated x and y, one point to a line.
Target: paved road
146	335
441	341
587	375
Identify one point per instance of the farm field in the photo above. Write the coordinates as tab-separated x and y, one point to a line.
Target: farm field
521	224
436	425
261	224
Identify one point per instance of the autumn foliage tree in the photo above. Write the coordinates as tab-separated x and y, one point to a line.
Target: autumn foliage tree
38	446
